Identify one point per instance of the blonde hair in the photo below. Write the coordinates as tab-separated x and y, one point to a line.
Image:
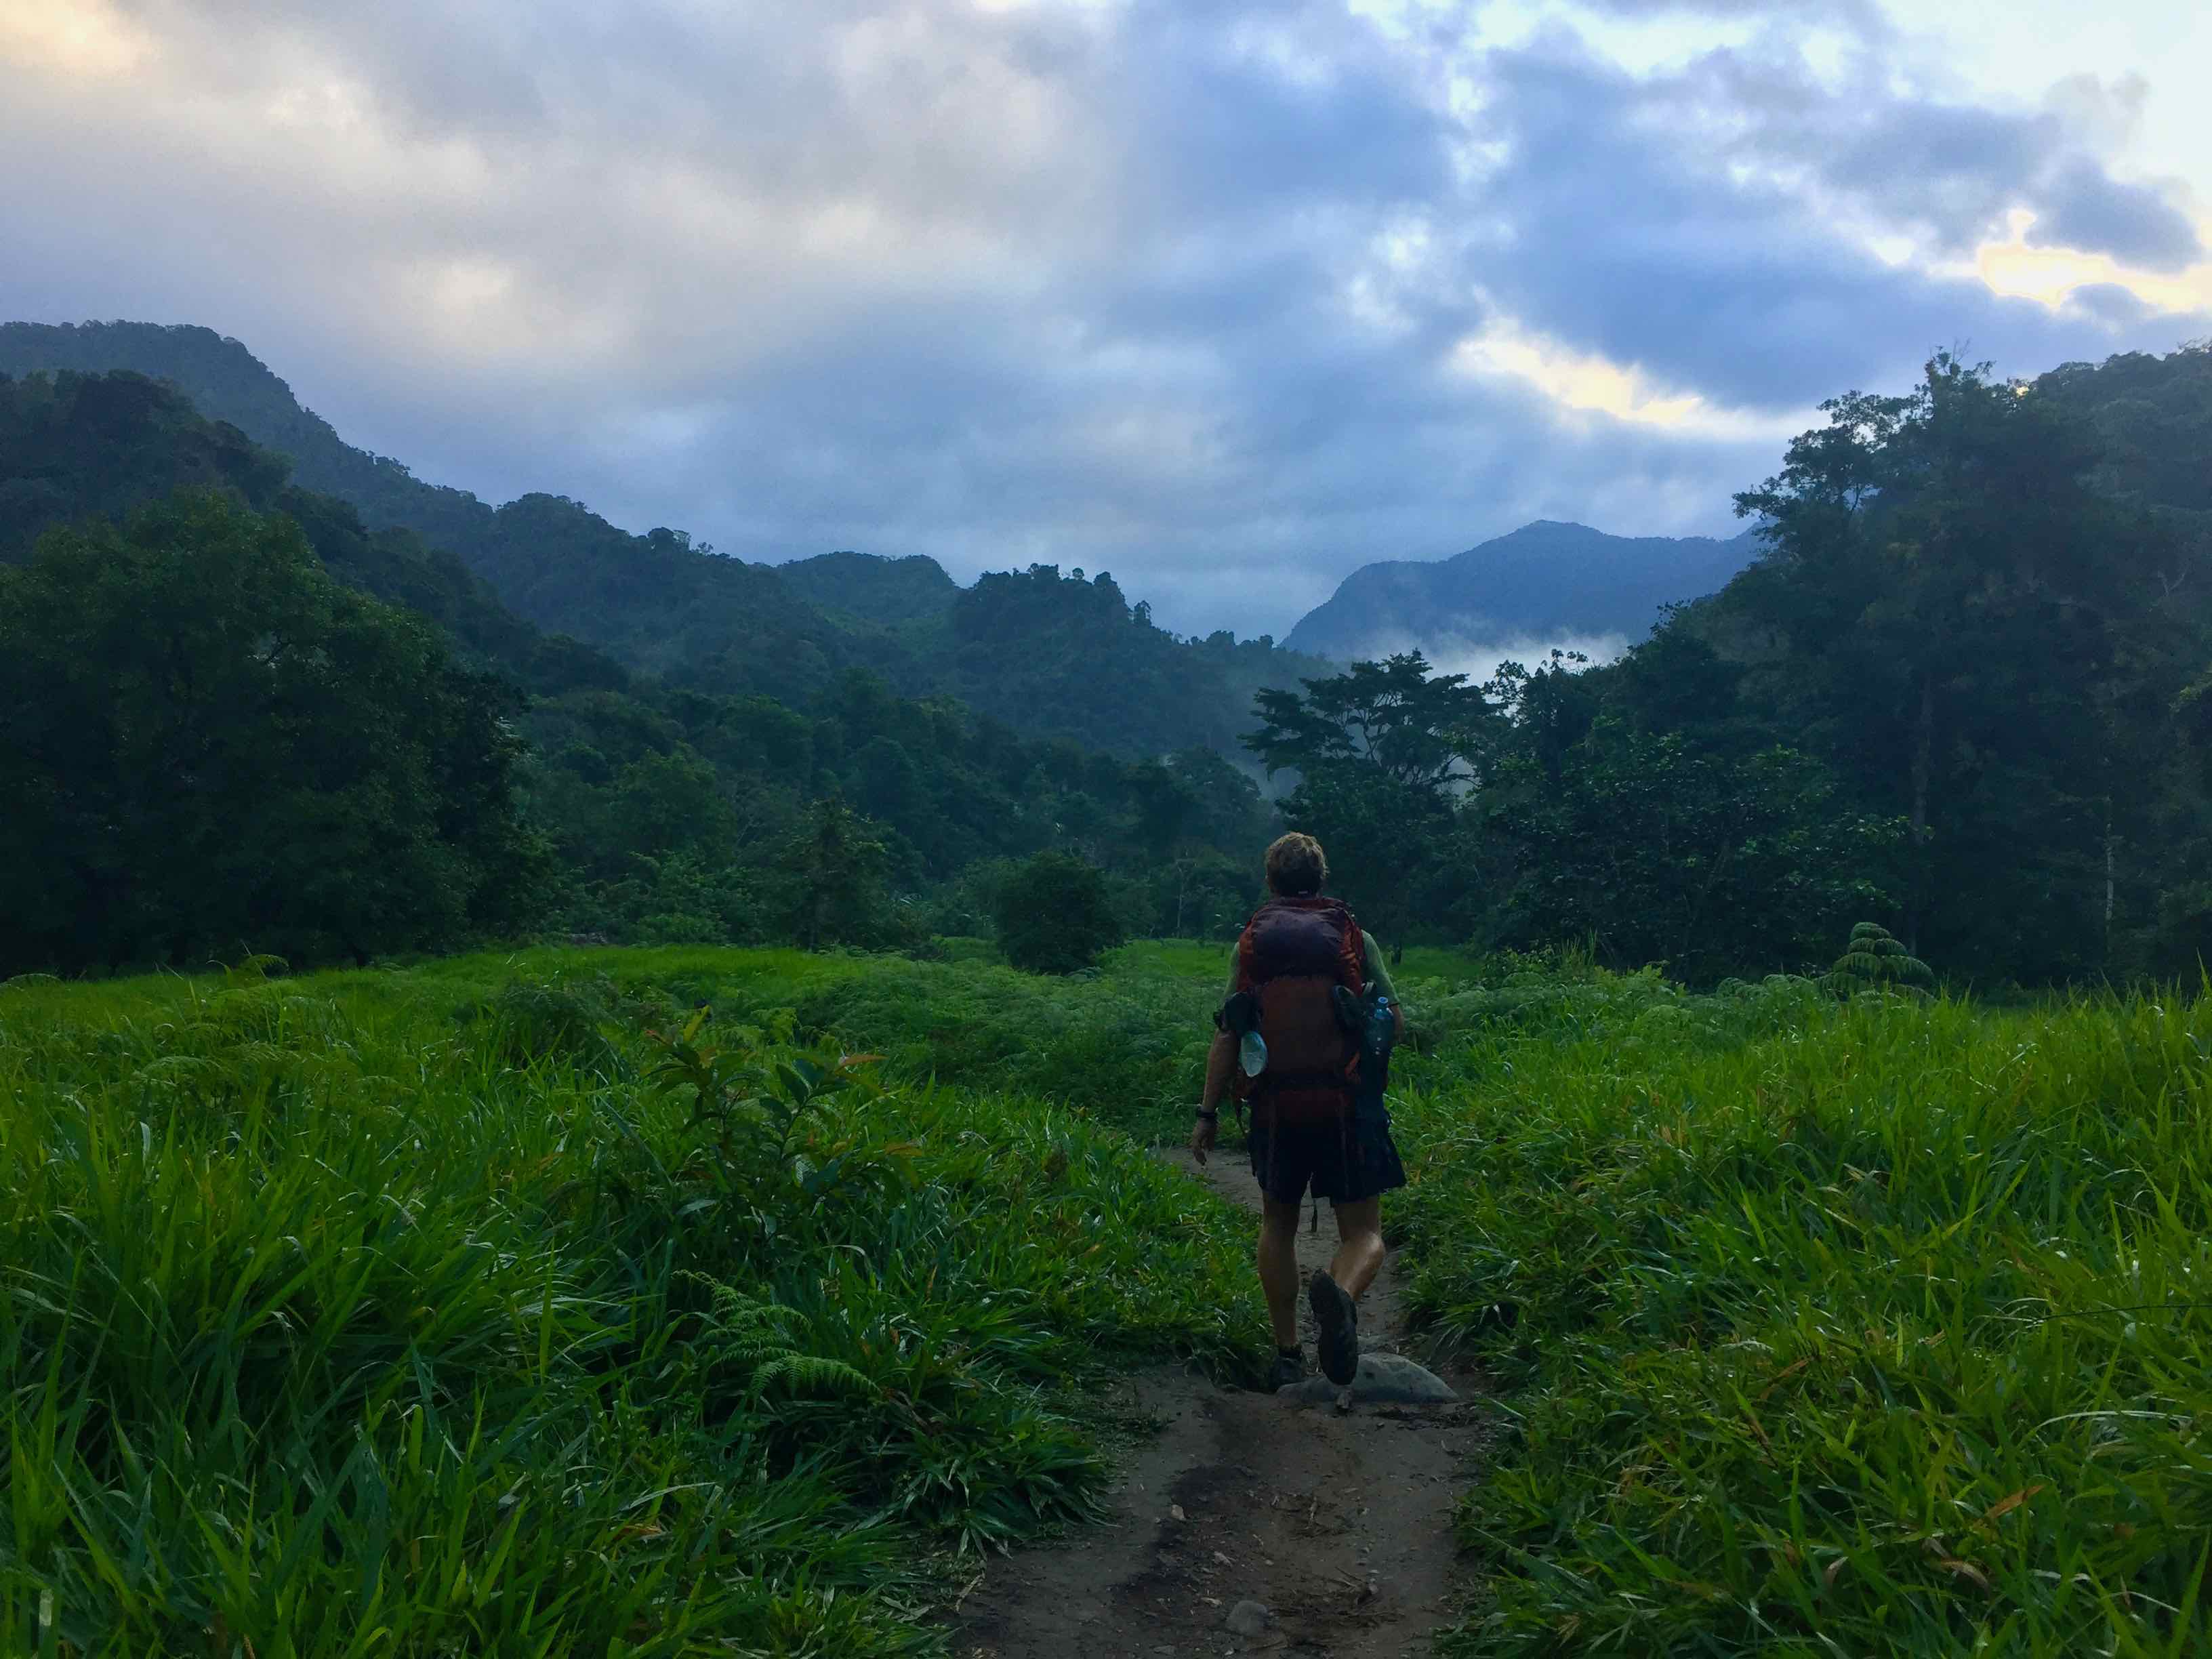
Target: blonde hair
1296	866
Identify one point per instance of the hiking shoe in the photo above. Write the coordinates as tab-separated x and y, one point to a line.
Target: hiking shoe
1288	1370
1336	1317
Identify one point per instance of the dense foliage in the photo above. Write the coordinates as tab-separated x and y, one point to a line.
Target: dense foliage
1054	916
209	747
670	802
677	814
1980	640
79	445
614	1329
1958	692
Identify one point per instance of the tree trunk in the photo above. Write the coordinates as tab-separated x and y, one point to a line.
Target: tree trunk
1923	745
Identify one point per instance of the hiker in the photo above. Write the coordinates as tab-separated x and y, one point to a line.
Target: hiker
1304	980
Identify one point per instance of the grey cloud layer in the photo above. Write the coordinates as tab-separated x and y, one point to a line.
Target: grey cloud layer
1692	222
1170	287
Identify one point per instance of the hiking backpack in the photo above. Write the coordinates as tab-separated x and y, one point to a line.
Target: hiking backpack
1294	956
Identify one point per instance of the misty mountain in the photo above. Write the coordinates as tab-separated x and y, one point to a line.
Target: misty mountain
1546	583
1051	656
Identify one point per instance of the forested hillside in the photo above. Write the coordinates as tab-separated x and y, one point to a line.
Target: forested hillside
75	445
872	589
653	810
663	605
1963	690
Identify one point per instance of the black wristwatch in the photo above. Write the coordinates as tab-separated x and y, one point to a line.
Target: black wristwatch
1206	1116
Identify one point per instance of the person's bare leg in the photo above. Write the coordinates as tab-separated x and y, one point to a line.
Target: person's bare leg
1279	1268
1359	1244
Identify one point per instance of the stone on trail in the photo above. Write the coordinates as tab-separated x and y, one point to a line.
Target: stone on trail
1251	1618
1383	1379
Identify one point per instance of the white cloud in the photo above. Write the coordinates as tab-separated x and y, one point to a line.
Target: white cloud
1226	298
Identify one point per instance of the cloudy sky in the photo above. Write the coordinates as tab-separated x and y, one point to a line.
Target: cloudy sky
1225	297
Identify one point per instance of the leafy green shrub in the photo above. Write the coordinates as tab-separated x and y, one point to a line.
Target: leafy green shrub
1874	961
526	1022
1055	916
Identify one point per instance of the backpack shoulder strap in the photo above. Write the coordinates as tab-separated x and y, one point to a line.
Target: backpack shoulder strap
1247	979
1352	956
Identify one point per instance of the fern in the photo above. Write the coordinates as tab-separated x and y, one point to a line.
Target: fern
1875	961
811	1376
769	1343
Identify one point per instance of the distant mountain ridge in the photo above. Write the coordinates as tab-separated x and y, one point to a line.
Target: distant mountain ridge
76	446
871	587
1546	582
1029	649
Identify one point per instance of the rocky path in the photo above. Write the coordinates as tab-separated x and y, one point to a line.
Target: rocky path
1337	1523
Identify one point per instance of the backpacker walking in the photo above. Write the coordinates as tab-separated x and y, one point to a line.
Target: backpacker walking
1303	1037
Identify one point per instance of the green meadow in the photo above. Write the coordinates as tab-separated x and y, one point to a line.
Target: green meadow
706	1301
515	1305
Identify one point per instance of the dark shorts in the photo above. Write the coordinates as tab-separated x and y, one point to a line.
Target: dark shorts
1342	1163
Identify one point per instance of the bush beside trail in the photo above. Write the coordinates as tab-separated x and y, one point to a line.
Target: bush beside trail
475	1309
1054	916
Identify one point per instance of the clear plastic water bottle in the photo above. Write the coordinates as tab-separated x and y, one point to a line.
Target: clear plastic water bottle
1382	1030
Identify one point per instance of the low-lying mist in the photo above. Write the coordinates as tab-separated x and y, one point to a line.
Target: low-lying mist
1479	655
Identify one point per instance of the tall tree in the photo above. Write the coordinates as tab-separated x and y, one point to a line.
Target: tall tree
1968	628
1416	729
208	746
1383	750
836	885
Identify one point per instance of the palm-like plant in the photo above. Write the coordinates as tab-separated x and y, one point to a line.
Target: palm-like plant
1875	961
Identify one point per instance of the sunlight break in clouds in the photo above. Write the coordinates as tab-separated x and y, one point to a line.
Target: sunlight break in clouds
1585	382
77	38
2053	276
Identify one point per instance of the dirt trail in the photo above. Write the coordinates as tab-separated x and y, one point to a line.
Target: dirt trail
1338	1523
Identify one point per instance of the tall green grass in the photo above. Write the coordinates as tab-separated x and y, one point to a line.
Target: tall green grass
1125	1046
485	1308
511	1305
1881	1327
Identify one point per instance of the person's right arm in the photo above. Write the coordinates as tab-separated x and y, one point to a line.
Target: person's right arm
1220	1060
1220	1057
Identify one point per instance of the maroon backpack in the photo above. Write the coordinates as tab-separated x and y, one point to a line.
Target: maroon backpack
1294	954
